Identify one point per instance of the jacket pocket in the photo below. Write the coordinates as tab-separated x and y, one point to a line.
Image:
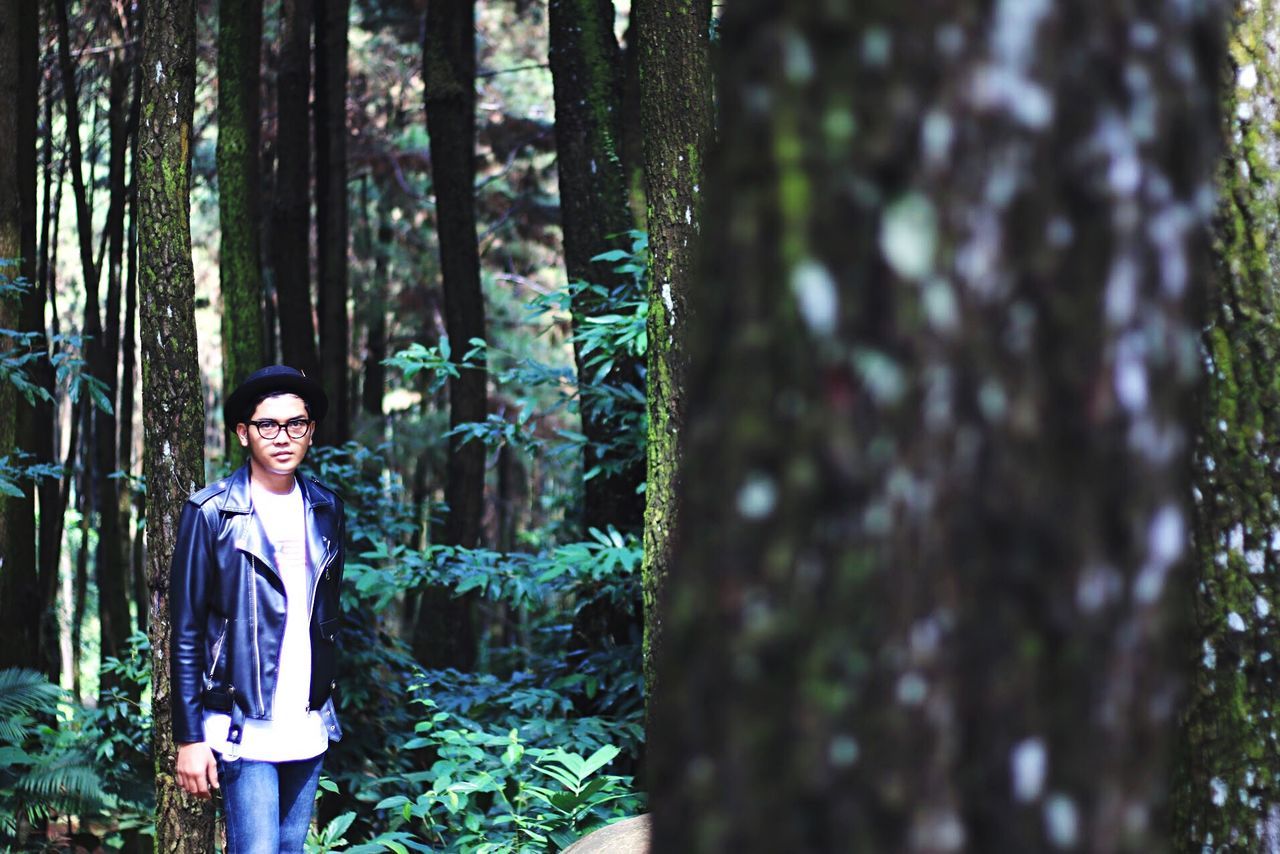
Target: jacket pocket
329	629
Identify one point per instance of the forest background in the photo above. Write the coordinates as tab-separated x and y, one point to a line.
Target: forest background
828	426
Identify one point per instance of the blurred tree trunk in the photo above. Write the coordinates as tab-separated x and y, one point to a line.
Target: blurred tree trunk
586	68
11	525
173	428
674	67
131	504
1228	784
21	605
239	199
110	562
445	635
291	219
49	490
374	385
332	214
936	497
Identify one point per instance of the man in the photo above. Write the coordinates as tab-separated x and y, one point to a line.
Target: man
254	597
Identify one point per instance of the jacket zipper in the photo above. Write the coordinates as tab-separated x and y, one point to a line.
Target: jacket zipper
217	650
257	654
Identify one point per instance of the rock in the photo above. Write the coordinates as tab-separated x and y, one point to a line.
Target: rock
629	836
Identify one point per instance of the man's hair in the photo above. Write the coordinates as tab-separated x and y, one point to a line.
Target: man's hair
248	411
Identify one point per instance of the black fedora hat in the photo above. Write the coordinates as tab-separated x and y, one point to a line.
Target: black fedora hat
272	379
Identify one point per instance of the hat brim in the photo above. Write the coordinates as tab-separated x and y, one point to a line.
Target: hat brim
267	382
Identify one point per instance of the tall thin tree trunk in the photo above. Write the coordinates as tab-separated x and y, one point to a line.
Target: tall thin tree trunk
239	186
113	598
332	213
374	385
586	68
10	269
174	426
21	606
445	633
130	540
676	111
1227	790
290	226
930	575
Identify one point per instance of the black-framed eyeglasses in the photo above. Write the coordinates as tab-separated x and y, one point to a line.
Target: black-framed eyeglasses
296	428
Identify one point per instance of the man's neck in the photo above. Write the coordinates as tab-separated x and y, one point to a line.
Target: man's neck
280	484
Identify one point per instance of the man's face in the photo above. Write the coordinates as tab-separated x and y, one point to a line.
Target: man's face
282	453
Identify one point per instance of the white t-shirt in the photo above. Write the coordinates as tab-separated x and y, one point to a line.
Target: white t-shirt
293	732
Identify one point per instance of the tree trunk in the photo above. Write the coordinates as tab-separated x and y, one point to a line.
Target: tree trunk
239	202
21	605
290	238
374	385
174	426
937	488
111	566
586	68
10	269
331	213
131	542
1227	789
676	110
445	634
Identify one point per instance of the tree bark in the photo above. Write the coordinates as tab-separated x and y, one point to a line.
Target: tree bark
332	214
936	497
1227	788
587	72
676	111
445	635
239	199
291	219
21	605
174	426
374	385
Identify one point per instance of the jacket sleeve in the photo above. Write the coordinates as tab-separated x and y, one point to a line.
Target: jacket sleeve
189	592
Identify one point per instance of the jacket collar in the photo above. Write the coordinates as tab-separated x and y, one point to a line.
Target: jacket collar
237	498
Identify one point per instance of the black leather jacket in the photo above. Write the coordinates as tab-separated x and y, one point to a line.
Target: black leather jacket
227	604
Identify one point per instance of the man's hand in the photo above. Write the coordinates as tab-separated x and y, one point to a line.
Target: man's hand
196	768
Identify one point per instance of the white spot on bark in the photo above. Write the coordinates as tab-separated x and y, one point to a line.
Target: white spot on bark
1247	77
909	236
1099	585
1166	539
1218	791
669	303
757	497
1210	659
1028	764
937	830
912	689
1122	291
876	47
159	70
882	376
1131	373
843	751
937	133
815	291
1061	821
1235	622
1262	607
940	306
797	58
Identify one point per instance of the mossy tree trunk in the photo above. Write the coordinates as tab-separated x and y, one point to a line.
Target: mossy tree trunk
1227	793
22	604
291	216
676	114
936	493
239	194
332	213
445	634
174	427
587	71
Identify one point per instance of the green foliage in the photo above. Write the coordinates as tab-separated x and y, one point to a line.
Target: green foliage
40	773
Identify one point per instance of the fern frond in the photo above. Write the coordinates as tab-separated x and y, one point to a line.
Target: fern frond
23	690
68	782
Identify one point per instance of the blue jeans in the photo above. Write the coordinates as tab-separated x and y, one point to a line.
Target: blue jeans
268	804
